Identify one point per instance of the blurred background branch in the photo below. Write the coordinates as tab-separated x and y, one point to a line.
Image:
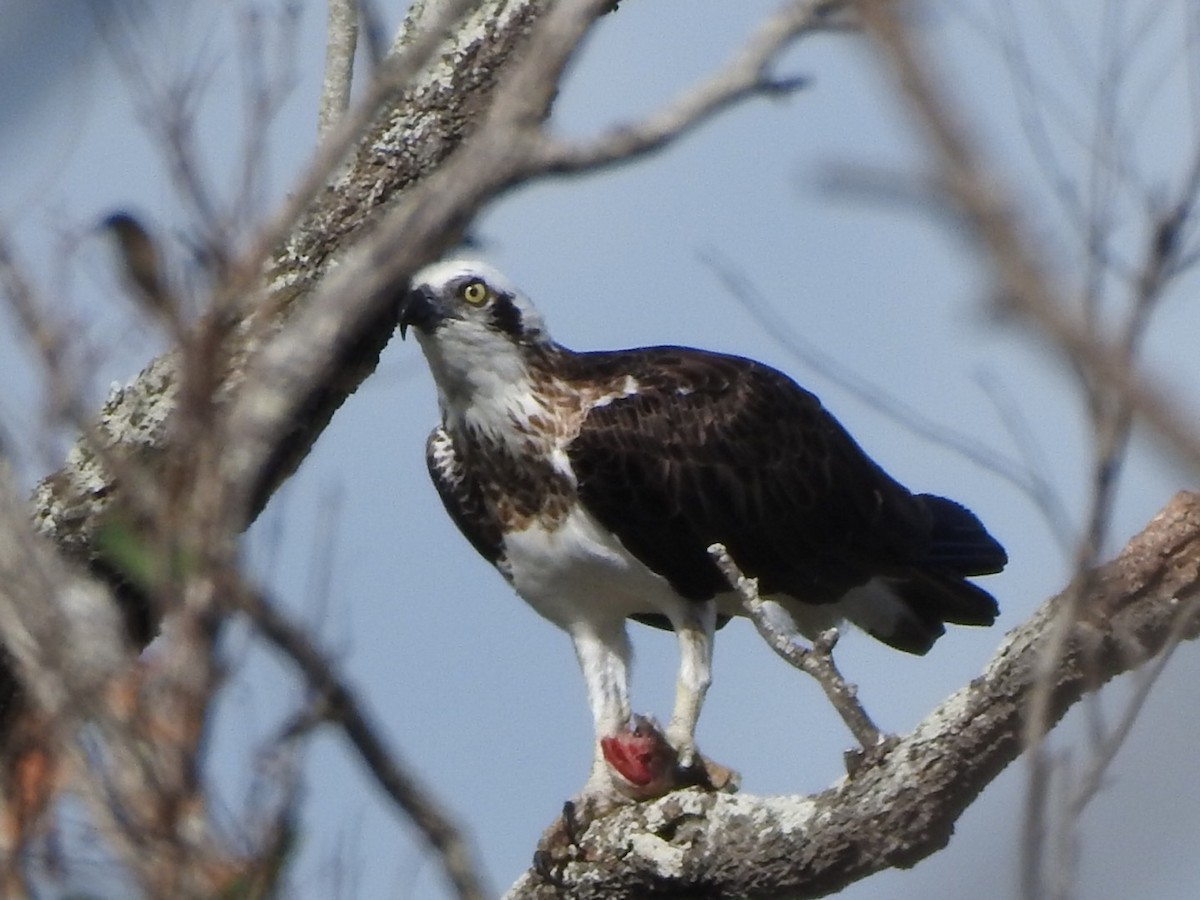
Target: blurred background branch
274	317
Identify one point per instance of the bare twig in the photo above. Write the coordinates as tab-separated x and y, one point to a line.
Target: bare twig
43	336
374	29
338	703
1090	781
341	39
816	661
267	55
745	75
1116	392
1024	477
1028	289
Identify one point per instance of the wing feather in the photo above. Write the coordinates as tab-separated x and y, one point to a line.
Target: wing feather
720	448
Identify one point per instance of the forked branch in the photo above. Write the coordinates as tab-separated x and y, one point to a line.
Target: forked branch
901	807
817	660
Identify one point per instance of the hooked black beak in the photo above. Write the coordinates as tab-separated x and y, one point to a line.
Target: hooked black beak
419	307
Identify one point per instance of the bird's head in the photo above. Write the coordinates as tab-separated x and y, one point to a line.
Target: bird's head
469	302
476	329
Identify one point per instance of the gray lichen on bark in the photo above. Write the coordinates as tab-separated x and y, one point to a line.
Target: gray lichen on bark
426	122
901	806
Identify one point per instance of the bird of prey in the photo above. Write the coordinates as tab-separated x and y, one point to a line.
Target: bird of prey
595	482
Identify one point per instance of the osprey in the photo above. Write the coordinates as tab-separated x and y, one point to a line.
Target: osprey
595	482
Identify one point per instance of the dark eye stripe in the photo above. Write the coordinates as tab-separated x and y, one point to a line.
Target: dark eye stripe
506	316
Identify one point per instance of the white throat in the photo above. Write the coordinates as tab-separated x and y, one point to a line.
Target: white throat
484	384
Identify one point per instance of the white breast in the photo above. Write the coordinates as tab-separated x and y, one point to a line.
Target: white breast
580	572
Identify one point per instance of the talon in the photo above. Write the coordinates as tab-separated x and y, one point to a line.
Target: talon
573	827
687	756
547	868
560	843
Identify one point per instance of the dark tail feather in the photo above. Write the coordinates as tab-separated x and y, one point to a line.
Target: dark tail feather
948	598
959	542
935	592
930	600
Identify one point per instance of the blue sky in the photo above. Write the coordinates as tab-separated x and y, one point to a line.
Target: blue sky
479	695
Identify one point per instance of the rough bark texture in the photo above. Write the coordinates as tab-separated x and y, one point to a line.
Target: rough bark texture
425	123
901	807
897	808
410	140
130	443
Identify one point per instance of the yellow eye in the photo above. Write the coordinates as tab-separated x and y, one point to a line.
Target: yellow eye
474	292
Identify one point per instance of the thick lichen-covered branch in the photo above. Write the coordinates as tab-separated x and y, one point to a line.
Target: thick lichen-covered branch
427	121
902	807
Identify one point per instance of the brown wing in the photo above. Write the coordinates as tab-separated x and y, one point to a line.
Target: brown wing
720	448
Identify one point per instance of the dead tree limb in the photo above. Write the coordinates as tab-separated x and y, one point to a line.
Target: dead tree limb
298	317
816	660
901	808
426	121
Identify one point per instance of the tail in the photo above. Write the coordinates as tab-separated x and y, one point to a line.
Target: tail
936	591
958	542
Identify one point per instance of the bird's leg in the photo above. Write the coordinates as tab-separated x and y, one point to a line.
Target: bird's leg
633	759
695	629
603	653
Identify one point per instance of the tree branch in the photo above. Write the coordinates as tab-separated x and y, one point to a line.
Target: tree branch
1024	275
337	703
745	75
341	39
902	807
816	661
424	125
